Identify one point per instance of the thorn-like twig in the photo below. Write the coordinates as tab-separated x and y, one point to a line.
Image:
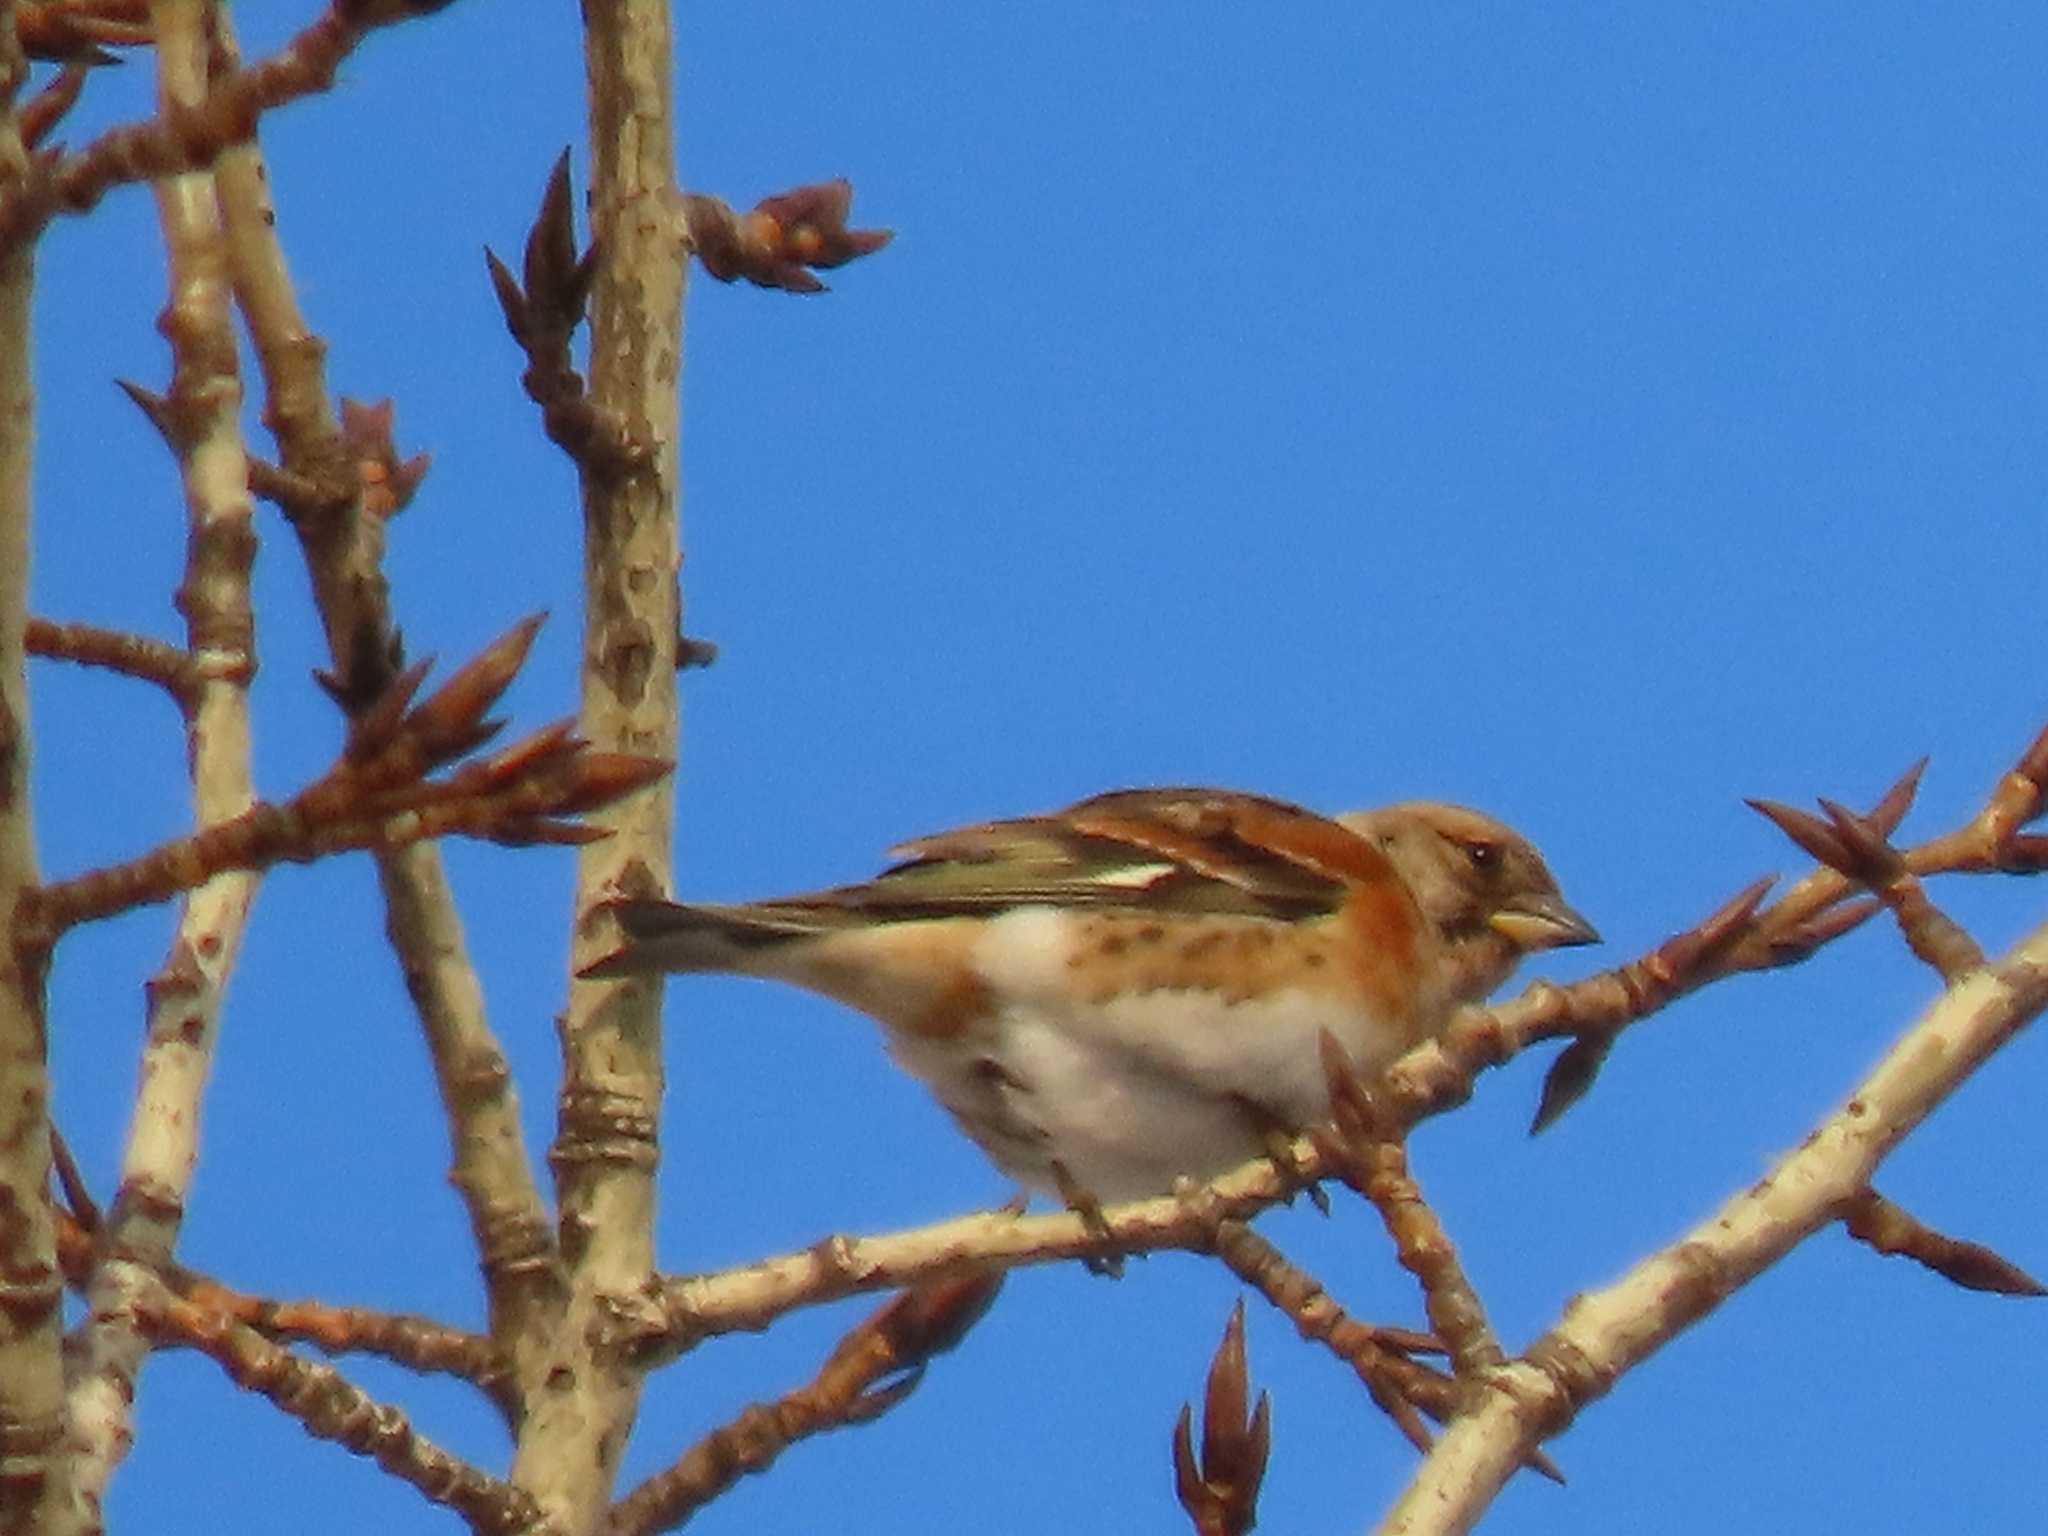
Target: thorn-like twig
129	655
43	111
783	239
185	138
78	32
543	313
1365	1147
329	1407
892	1347
379	795
1870	1218
1220	1490
1856	848
692	652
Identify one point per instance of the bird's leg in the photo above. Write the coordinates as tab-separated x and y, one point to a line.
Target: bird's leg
1082	1202
1277	1140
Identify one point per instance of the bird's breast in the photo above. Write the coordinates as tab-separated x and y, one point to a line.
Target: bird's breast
1221	1007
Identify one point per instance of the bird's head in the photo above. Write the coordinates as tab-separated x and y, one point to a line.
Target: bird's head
1482	887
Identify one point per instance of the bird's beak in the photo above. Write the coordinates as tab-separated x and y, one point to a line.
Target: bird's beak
1542	922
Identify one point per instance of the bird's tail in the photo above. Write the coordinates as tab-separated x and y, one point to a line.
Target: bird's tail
682	936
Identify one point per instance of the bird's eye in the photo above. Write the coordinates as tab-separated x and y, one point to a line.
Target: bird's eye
1484	856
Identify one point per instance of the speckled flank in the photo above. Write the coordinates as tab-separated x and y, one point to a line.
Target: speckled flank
1233	958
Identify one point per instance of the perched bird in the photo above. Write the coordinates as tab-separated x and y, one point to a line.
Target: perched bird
1132	989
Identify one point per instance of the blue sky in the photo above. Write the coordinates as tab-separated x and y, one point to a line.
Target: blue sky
1594	414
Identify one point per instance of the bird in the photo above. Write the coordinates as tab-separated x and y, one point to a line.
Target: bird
1131	991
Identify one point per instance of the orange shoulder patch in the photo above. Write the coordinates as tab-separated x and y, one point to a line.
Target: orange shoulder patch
1383	943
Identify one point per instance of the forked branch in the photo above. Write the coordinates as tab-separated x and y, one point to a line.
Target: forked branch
379	795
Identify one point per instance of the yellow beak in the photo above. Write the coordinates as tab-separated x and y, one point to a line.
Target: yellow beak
1542	922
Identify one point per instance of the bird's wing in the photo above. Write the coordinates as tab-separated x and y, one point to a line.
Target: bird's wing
1138	850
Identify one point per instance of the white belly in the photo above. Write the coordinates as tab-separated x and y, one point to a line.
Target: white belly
1130	1093
1133	1095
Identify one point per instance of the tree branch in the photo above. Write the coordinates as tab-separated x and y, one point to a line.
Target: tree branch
188	137
329	1407
341	536
1606	1332
33	1480
379	795
418	1343
582	1390
186	995
117	651
898	1339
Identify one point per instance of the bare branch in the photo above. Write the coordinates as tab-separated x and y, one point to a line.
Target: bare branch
1606	1332
328	1407
81	30
115	650
1370	1155
188	137
897	1340
378	795
186	995
514	1240
34	1480
1317	1317
696	1307
417	1343
340	483
1890	1229
582	1393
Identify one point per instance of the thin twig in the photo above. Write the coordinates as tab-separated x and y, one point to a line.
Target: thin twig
118	651
329	1407
378	795
418	1343
1889	1228
1371	1155
1317	1317
341	480
897	1340
1605	1333
189	137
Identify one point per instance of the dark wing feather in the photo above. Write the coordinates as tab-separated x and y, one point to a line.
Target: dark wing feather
1143	850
